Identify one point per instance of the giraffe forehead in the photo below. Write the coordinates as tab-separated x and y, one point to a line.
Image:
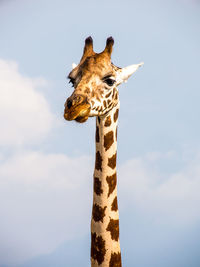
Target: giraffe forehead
97	64
96	60
95	71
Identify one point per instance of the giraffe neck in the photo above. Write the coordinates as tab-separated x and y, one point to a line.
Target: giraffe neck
105	246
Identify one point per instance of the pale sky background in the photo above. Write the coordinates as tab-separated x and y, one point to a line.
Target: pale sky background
46	163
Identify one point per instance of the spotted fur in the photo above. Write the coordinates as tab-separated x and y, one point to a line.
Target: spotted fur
98	213
112	182
98	249
115	260
114	205
105	208
98	163
112	161
96	94
97	186
108	121
113	228
108	140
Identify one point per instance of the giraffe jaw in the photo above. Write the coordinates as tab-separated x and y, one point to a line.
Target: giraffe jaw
80	112
83	115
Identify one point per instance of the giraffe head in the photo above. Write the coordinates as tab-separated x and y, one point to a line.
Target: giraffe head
95	80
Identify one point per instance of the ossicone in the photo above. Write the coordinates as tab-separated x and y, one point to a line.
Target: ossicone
88	48
109	45
89	40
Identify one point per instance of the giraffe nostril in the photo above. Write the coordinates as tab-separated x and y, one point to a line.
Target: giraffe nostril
74	101
69	103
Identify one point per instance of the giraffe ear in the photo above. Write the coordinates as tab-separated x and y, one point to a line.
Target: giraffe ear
74	65
124	73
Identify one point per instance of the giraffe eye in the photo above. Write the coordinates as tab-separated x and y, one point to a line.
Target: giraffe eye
109	81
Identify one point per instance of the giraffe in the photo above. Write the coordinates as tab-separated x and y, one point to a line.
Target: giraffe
95	80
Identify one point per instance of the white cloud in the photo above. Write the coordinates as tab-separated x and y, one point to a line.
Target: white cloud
163	197
24	112
44	200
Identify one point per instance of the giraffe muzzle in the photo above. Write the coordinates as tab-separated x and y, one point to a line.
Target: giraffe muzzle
77	108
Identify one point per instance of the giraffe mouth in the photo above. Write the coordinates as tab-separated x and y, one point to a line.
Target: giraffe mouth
79	113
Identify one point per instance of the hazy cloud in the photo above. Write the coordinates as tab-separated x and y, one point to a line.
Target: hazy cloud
46	199
166	197
24	112
41	203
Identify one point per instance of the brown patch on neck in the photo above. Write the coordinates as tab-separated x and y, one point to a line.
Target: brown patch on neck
113	228
109	101
115	260
98	250
97	186
114	90
98	119
108	121
97	134
112	182
108	94
98	162
116	115
112	161
98	213
114	205
108	140
110	105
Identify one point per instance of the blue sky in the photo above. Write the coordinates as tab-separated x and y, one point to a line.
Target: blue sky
46	163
